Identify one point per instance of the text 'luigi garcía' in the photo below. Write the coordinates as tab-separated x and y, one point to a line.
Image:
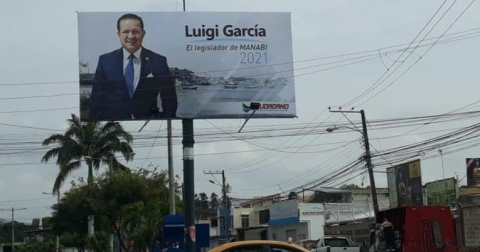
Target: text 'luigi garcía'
227	31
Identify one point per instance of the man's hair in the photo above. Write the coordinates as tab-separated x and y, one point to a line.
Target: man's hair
129	16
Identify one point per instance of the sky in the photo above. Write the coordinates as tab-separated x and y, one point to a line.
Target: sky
39	57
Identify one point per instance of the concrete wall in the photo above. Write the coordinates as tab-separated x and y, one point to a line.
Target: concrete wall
470	213
279	233
237	217
314	215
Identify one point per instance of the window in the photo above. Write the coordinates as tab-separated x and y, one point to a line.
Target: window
292	233
336	242
214	222
245	221
437	234
222	224
264	216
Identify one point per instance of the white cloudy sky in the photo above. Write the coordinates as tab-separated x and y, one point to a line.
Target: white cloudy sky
40	45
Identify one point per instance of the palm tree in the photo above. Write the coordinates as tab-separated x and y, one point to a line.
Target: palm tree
94	142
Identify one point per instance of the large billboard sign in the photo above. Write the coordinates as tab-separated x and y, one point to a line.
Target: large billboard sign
442	192
473	171
408	184
392	187
167	65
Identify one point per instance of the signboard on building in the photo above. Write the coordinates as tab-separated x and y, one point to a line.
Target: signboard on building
442	192
167	65
340	212
284	210
473	171
311	209
408	184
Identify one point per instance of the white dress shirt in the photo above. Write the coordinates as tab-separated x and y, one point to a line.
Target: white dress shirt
137	64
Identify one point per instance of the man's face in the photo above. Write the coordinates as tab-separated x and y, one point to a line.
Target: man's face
131	34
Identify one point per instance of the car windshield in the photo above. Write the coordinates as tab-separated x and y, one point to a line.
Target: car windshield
336	242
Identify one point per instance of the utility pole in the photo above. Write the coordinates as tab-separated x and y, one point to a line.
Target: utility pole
226	204
171	176
226	201
13	223
367	157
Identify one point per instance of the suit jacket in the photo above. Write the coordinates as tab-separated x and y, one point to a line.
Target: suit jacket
109	99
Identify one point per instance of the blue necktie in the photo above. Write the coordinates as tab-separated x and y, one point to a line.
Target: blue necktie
129	75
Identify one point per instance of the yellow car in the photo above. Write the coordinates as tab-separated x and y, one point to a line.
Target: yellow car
259	246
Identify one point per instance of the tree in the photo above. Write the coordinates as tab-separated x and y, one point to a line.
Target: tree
350	186
214	201
6	231
129	203
94	142
203	201
69	217
44	246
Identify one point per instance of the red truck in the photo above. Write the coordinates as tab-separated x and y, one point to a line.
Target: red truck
418	229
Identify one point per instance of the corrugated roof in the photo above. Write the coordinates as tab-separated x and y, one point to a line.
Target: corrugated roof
260	199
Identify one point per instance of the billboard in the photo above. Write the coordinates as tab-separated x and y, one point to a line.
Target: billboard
408	184
392	187
473	172
442	192
167	65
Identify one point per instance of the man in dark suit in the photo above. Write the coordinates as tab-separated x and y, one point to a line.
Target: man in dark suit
128	80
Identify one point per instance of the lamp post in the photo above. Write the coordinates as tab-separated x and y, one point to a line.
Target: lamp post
57	238
367	155
226	201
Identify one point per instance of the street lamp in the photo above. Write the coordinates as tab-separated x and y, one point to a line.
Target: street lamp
58	202
213	182
332	129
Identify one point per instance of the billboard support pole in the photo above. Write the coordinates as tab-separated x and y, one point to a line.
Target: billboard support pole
367	156
189	183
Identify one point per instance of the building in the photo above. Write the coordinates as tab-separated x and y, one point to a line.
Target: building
253	224
248	219
295	220
469	217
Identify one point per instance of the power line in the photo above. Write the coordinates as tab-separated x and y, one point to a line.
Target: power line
419	58
377	82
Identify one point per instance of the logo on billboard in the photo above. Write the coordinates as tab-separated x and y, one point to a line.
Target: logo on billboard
246	108
268	107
